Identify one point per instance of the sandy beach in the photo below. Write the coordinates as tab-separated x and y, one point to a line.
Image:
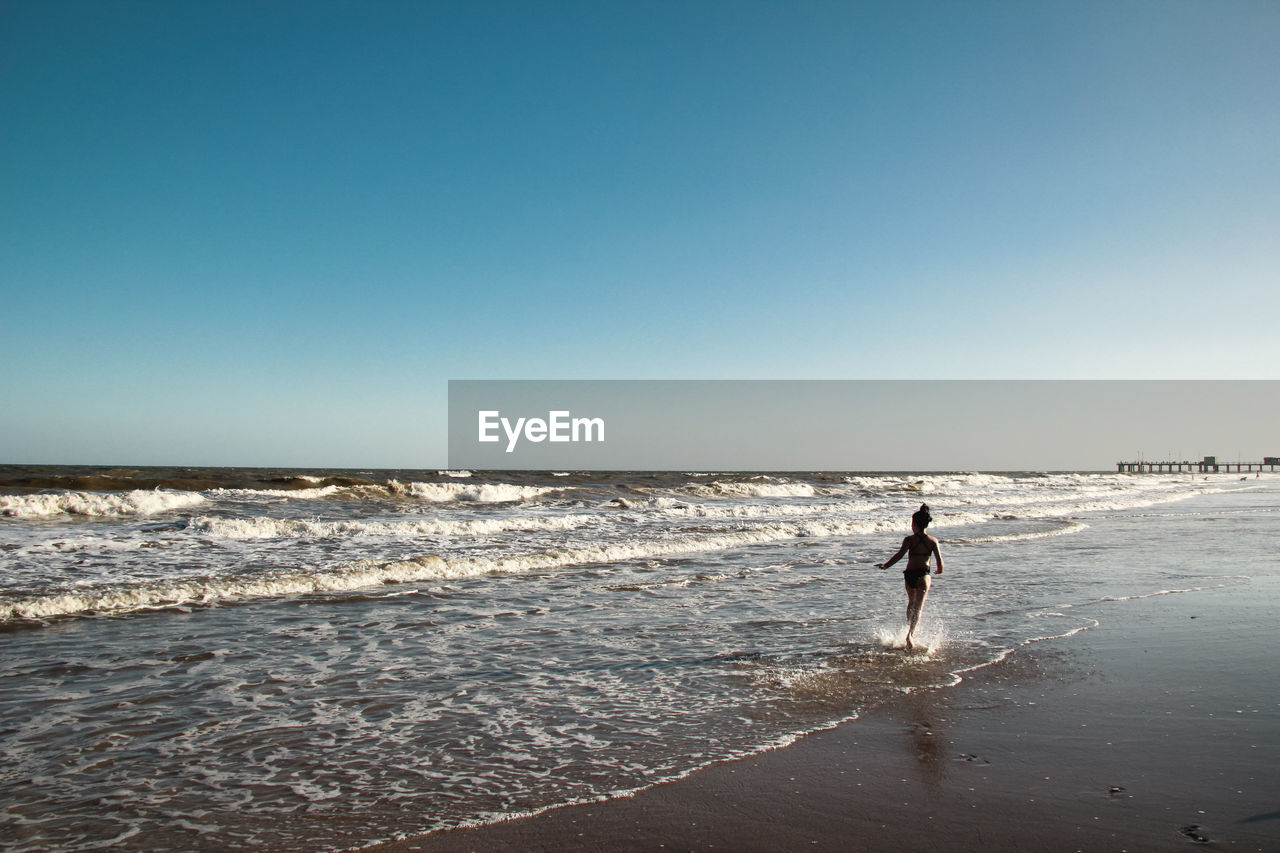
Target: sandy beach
1150	733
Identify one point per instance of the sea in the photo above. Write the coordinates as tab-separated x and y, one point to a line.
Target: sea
218	658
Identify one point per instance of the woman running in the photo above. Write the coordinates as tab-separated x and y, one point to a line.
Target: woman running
918	547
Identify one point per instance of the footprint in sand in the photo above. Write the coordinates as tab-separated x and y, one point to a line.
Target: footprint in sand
1195	833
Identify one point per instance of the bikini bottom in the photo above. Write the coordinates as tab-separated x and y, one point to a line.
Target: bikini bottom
914	578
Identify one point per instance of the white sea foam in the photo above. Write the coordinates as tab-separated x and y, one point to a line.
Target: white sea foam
1160	592
290	494
364	573
1062	635
97	504
263	527
752	489
885	483
652	531
929	637
680	509
1065	528
470	492
1117	502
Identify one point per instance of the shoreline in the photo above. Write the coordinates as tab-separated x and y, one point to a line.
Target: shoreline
1151	731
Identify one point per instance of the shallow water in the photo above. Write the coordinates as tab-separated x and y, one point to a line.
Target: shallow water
382	653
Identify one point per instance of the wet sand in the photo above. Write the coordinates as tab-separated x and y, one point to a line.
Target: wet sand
1157	730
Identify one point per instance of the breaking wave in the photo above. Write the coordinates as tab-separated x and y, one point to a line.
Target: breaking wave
97	505
472	492
751	489
289	494
263	527
361	574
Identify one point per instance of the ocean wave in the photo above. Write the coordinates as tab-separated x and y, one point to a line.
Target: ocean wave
964	483
97	505
751	489
290	494
469	492
1100	504
361	574
460	492
262	527
675	508
1065	528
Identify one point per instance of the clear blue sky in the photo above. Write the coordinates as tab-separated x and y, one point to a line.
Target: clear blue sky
266	233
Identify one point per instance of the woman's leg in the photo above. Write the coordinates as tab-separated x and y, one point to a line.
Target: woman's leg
915	603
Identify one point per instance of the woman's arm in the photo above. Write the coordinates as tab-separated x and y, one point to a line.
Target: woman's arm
937	552
896	557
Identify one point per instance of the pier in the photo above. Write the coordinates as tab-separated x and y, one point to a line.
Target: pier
1207	465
